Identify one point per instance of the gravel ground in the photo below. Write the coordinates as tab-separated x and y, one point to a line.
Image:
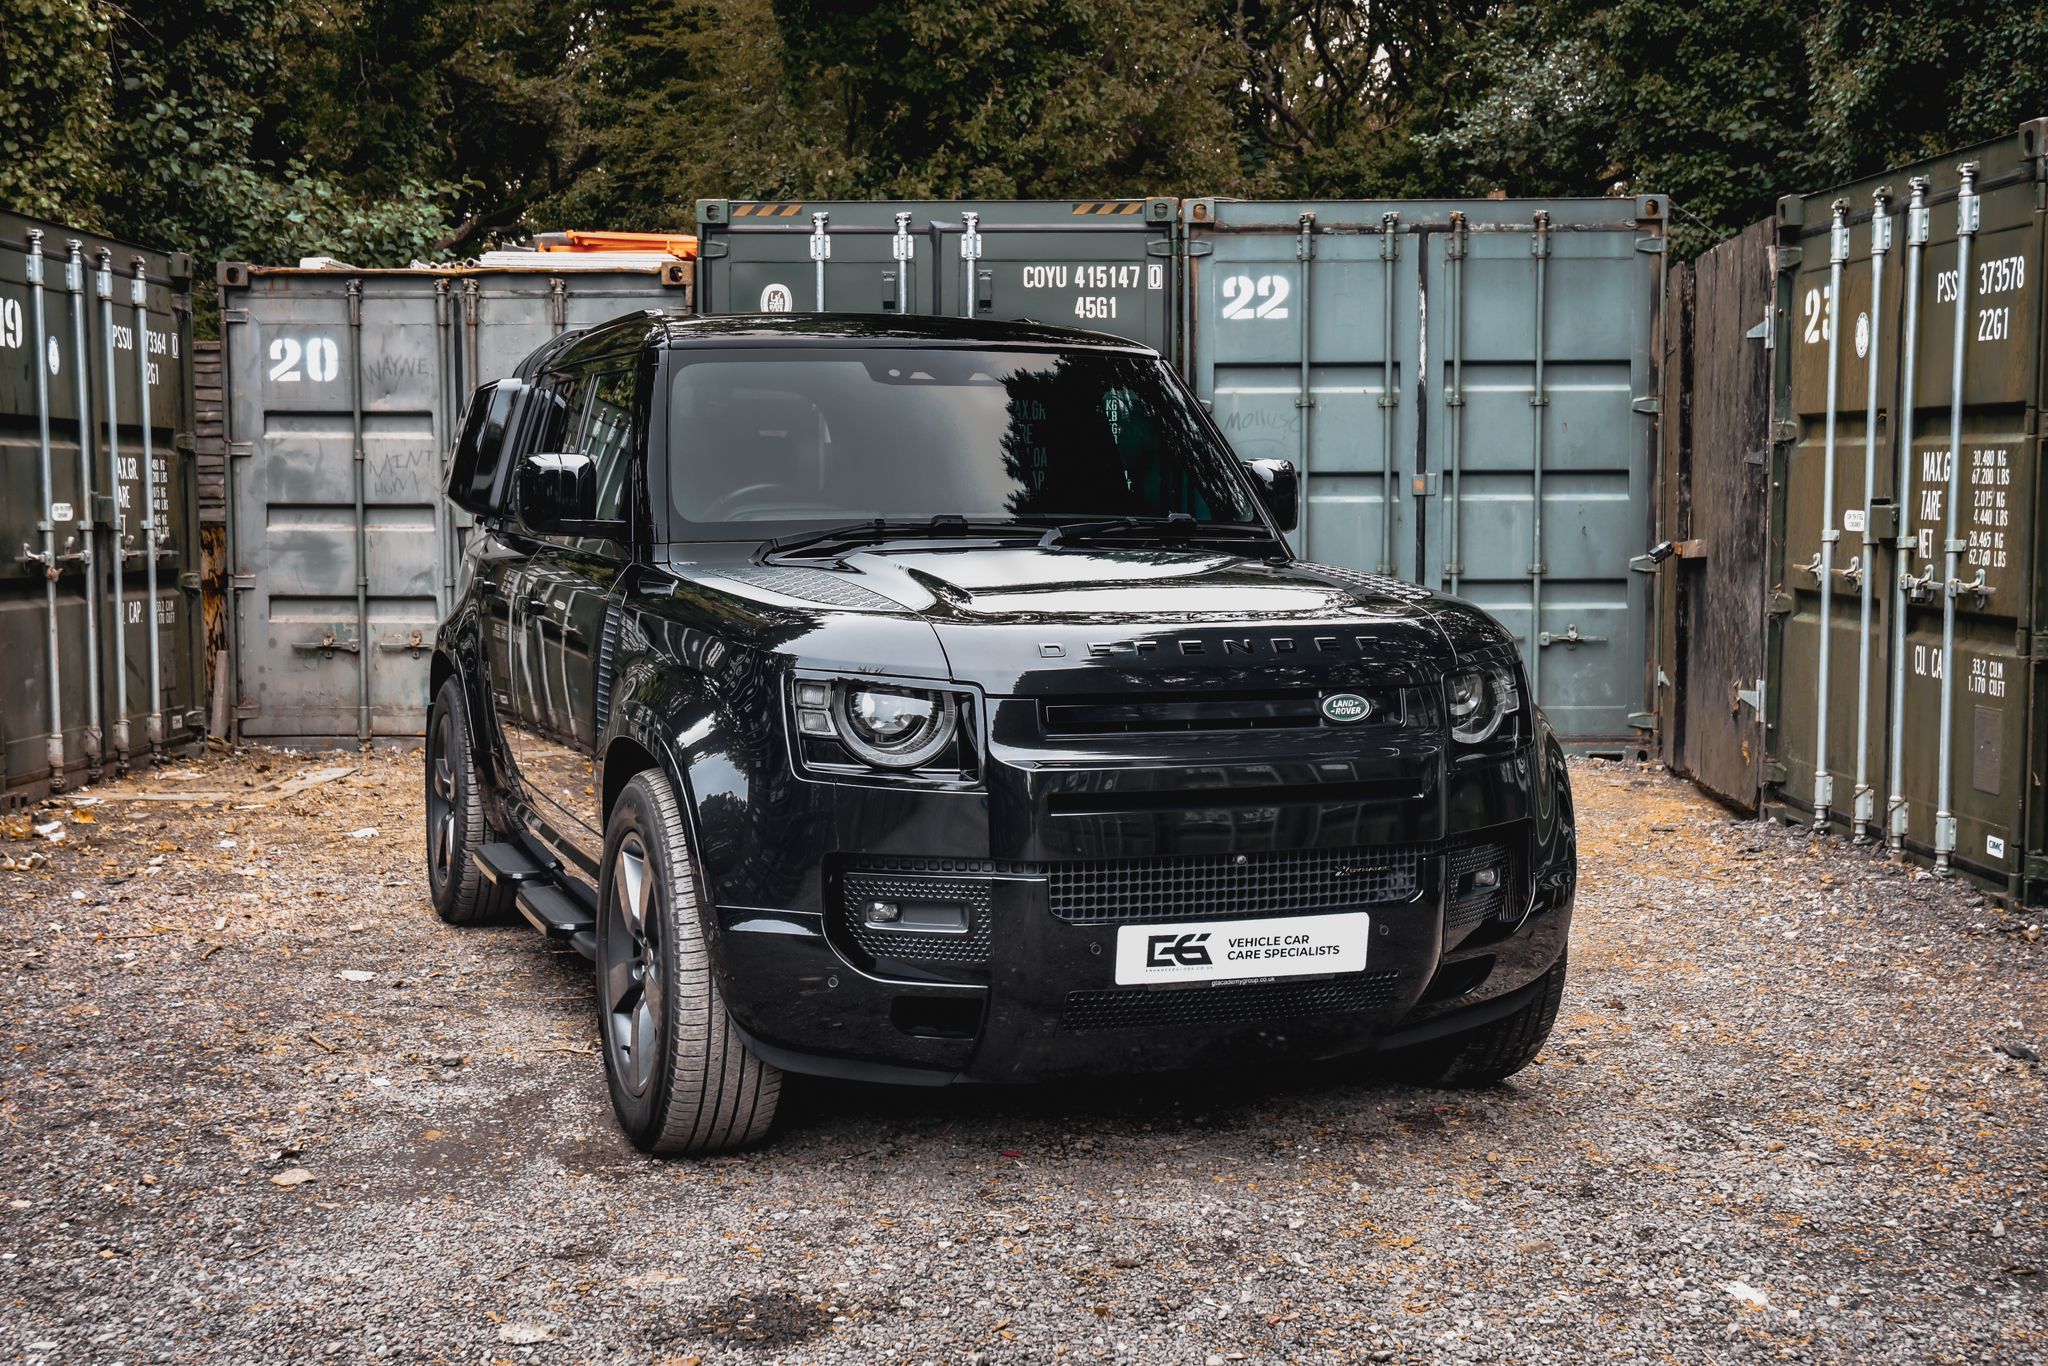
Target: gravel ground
260	1105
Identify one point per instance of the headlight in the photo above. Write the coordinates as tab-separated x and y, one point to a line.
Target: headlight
881	724
1481	701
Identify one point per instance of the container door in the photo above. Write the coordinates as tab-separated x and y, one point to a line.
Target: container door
759	258
1540	446
1305	350
1099	265
335	419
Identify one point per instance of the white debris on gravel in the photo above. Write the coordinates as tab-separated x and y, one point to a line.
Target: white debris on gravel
1792	1111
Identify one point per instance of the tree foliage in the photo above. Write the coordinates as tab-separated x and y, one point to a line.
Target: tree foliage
384	131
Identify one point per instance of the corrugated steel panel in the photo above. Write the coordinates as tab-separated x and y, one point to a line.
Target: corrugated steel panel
1470	389
1875	722
1102	264
322	363
79	359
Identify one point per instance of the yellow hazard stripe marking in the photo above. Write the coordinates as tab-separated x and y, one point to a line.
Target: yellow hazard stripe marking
767	210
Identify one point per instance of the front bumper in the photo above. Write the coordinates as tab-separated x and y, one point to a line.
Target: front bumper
1038	999
1064	847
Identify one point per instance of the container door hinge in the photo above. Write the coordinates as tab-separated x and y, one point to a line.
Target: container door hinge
1643	720
1193	249
1651	404
189	581
241	583
1653	245
1780	604
1159	246
712	249
1774	773
1787	258
1785	431
327	646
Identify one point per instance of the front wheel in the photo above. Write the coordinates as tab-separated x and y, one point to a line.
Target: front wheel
682	1079
1491	1053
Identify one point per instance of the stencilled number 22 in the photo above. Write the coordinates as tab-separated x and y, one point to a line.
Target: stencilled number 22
322	360
1265	297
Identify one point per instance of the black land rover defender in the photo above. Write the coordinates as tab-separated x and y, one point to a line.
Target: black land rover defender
928	701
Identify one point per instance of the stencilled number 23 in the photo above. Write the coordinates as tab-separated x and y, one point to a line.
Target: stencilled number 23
1265	297
322	361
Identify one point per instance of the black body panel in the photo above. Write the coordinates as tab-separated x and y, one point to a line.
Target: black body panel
1145	730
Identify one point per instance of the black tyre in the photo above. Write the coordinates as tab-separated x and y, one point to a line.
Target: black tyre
1491	1053
455	818
682	1080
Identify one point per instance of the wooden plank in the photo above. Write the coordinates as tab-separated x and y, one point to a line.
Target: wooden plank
1718	637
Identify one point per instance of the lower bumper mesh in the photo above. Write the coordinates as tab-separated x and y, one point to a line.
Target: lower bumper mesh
1250	1003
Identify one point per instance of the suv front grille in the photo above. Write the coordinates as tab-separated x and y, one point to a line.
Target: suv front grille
1249	1003
1105	891
1206	713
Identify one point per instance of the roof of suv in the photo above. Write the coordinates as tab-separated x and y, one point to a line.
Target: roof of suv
685	329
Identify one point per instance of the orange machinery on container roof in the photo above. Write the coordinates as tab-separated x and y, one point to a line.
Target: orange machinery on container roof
581	239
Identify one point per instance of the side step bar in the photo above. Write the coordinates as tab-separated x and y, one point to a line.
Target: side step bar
504	864
558	916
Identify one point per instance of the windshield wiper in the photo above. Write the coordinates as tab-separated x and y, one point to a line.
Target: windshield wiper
876	530
1174	526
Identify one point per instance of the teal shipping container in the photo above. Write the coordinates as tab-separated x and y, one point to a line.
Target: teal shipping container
1470	390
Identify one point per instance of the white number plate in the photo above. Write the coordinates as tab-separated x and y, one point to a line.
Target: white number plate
1223	950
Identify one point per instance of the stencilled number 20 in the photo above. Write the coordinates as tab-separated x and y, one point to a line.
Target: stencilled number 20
1265	297
322	360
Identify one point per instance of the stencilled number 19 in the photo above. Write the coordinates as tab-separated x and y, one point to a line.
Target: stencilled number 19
1265	297
322	359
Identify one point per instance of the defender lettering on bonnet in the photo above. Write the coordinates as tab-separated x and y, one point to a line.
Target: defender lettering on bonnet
1221	645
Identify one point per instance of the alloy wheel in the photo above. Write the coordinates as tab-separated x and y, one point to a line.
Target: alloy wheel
441	800
631	979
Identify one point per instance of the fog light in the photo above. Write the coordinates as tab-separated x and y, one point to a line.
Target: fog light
881	913
1486	877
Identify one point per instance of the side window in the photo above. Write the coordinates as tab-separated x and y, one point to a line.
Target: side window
560	400
607	438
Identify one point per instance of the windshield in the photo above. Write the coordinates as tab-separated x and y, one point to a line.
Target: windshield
822	435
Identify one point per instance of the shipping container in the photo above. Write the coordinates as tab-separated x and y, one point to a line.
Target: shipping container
1470	390
99	573
1102	264
343	391
1713	511
1906	627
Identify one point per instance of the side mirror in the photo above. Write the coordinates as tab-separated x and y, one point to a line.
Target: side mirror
556	489
1279	489
476	471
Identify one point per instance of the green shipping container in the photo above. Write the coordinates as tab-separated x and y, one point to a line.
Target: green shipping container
98	583
1102	264
1906	695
